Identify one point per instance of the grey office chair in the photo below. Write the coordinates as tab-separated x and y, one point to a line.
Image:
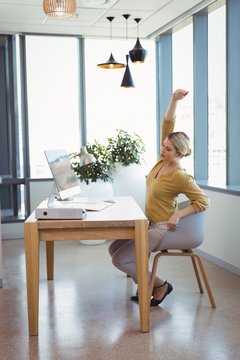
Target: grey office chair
188	235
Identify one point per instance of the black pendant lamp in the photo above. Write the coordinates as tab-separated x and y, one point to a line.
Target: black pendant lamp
111	63
127	81
138	53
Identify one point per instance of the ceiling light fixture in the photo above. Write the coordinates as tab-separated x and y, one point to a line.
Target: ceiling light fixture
138	53
60	9
111	63
127	81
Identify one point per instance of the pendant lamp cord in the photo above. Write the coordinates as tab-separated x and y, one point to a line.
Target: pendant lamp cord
126	16
110	18
137	21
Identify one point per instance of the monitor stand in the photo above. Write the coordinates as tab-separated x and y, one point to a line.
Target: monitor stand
53	196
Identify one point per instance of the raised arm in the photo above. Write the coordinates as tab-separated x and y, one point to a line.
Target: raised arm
178	94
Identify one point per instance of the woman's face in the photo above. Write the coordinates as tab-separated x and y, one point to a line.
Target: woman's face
168	151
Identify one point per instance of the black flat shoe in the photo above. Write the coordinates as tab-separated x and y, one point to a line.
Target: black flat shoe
156	302
134	297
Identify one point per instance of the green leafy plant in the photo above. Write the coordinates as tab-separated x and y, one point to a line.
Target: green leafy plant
101	169
125	148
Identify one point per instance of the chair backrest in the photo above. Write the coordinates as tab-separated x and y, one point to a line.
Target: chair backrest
188	235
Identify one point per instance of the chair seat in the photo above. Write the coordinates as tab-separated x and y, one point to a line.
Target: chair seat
188	235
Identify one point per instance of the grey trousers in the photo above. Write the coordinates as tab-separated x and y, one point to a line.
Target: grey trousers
123	251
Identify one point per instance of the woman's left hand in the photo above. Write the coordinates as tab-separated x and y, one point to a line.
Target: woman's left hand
173	222
179	94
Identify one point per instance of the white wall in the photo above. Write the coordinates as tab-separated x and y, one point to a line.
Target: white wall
222	228
222	244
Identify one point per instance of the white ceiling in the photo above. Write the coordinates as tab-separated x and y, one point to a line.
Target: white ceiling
27	16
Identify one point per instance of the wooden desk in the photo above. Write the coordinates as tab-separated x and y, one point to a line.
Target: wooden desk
123	220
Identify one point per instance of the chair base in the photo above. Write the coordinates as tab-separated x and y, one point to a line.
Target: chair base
196	259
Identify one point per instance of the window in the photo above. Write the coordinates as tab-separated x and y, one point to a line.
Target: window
13	193
217	96
182	69
53	110
206	45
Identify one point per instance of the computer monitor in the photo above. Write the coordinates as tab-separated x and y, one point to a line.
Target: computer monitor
66	181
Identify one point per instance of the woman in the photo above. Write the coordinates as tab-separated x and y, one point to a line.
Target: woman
165	182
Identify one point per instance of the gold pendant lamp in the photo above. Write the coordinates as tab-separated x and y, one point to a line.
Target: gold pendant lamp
60	9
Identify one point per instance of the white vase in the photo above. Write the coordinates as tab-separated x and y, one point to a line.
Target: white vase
131	181
99	189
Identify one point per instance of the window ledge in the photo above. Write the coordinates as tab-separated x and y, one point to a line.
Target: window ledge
226	189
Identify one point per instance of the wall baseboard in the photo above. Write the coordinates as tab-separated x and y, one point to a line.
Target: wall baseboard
220	263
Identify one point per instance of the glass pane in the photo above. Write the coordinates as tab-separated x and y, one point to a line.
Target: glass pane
217	96
53	110
182	43
19	133
19	125
108	105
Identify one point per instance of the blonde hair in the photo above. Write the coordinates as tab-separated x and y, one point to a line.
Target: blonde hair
181	143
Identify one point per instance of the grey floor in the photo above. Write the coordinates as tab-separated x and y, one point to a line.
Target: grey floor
85	313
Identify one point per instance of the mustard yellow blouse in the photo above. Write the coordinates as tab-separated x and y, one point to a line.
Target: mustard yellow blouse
162	193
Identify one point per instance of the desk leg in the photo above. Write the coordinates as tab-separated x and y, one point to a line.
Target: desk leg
141	246
32	274
50	259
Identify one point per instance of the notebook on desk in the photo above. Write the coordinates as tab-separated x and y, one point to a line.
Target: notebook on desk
89	204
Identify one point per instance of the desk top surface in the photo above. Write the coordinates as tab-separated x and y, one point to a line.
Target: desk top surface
124	209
